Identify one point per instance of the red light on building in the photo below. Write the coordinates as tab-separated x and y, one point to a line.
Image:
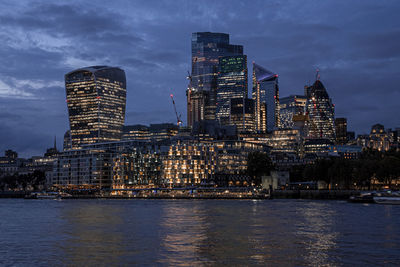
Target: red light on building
98	97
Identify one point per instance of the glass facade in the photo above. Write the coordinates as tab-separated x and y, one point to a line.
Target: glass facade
321	113
207	47
232	83
242	114
266	97
341	131
96	99
291	106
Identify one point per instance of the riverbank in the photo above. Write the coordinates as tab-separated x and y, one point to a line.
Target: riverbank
276	194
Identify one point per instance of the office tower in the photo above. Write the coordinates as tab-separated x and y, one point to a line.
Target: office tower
291	106
96	98
266	98
242	114
321	113
207	47
232	83
195	105
341	131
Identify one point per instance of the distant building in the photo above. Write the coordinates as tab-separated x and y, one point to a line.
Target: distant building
96	98
196	101
291	106
266	99
162	131
136	132
67	144
341	131
242	115
321	113
379	138
207	47
232	83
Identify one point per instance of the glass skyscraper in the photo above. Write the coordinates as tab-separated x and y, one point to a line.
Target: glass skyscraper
321	113
232	83
96	99
266	99
207	48
290	106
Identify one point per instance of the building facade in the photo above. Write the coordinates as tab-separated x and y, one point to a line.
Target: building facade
341	131
266	99
291	106
232	83
207	48
321	113
96	99
242	115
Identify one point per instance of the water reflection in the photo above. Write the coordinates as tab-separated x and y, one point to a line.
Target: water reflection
92	234
317	231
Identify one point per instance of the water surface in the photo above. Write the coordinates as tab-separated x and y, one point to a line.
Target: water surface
198	232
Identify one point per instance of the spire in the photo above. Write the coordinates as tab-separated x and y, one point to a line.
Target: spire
317	76
55	142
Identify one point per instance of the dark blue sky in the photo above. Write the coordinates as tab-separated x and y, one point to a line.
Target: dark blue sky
355	44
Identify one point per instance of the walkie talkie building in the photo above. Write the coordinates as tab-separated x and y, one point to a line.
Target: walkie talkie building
96	99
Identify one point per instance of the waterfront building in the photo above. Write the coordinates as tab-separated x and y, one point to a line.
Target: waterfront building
96	98
207	47
232	83
242	115
379	138
138	167
291	106
321	113
346	151
136	132
341	131
266	98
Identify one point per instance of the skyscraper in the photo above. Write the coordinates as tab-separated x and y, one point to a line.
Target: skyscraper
266	99
341	131
242	114
321	113
232	83
291	106
96	99
207	47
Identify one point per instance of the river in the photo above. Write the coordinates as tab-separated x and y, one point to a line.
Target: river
198	232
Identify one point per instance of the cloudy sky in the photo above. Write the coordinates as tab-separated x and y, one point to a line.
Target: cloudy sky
355	44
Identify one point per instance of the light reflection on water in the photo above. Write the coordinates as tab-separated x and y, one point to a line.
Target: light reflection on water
197	232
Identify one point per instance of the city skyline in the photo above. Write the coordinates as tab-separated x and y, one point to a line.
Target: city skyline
32	93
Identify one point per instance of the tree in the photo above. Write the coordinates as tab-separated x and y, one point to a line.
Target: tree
258	164
388	169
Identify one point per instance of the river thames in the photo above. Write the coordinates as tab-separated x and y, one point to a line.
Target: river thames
198	232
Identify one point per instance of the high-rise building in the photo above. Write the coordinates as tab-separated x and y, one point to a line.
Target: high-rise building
341	131
291	106
207	47
136	132
195	105
242	114
321	113
266	98
232	83
96	99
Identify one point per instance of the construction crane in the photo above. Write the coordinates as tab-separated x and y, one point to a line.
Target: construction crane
178	118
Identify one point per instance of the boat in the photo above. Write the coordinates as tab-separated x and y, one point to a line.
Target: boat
363	198
392	200
46	195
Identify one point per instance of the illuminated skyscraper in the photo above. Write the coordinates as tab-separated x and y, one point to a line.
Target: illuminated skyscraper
96	98
291	106
321	113
266	99
207	48
232	83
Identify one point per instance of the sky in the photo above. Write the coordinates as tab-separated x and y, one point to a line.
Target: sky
354	44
